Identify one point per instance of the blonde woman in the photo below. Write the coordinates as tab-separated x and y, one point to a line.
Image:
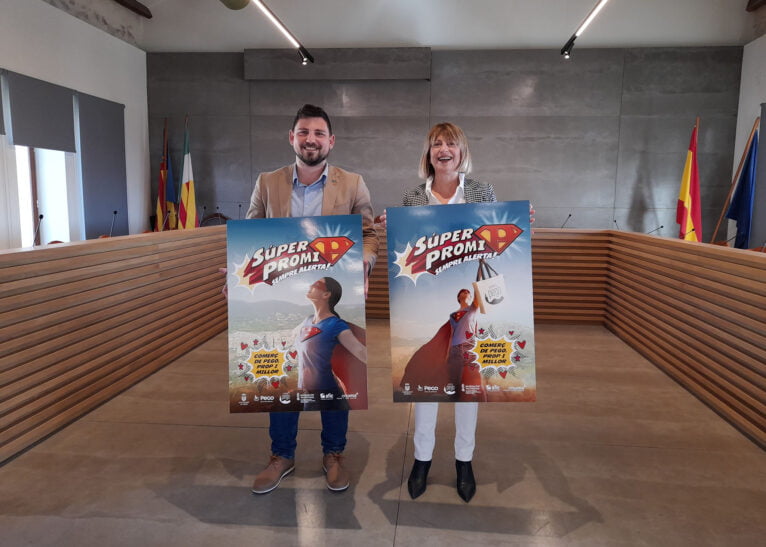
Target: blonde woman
445	164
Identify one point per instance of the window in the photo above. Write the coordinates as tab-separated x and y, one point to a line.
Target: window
47	204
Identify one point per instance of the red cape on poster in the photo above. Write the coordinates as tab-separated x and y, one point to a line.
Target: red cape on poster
429	364
350	371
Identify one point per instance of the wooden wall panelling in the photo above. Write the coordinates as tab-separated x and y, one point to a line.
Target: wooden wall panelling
666	359
81	322
736	305
707	271
25	334
569	275
698	313
40	260
181	344
631	333
23	306
377	295
696	355
104	314
31	378
31	406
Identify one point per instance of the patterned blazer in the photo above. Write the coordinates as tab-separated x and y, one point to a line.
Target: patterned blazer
475	192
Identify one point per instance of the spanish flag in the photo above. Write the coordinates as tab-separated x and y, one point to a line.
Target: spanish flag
688	214
187	214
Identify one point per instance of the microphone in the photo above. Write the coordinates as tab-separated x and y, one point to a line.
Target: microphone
567	220
114	216
660	227
239	213
615	223
218	214
37	228
690	232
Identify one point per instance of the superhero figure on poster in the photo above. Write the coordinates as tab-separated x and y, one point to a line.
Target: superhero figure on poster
329	350
446	360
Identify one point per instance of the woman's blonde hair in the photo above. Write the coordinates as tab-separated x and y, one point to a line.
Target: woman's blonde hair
450	132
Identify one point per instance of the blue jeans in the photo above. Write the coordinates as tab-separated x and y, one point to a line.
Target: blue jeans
283	429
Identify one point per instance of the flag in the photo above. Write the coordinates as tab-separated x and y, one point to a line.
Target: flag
161	211
741	207
171	197
187	210
688	214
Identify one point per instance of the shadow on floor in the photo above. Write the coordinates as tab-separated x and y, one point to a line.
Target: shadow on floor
472	517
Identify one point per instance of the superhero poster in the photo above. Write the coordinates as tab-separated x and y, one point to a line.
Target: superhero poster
296	314
460	293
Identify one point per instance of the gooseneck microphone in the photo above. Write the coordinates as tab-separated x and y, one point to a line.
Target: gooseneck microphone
567	220
114	216
660	227
37	228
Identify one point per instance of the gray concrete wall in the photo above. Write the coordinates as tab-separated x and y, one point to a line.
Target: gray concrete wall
602	136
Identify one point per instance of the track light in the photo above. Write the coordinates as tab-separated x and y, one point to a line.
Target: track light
566	51
306	57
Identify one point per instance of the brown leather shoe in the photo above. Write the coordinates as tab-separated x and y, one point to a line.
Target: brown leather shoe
337	477
268	479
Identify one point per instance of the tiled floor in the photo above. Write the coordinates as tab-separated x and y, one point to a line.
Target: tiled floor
613	453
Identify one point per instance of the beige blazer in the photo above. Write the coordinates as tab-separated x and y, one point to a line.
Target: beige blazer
345	193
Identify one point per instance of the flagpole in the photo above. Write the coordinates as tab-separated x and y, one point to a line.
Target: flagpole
735	180
696	157
162	183
165	217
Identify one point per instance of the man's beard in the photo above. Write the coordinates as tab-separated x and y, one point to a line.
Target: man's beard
312	162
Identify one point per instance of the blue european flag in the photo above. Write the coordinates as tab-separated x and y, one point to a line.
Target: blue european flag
741	207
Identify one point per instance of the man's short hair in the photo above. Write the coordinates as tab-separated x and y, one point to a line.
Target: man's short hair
311	111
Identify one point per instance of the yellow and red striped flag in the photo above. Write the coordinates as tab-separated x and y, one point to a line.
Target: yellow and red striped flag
187	213
688	213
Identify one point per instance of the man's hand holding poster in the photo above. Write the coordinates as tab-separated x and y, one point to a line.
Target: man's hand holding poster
296	314
460	293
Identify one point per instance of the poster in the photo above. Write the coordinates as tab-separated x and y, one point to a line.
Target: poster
460	294
296	314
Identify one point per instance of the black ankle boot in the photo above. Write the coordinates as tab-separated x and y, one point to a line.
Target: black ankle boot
466	484
416	484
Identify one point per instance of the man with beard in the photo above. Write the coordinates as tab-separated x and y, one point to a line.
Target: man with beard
311	187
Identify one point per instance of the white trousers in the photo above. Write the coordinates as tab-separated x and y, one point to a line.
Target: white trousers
466	415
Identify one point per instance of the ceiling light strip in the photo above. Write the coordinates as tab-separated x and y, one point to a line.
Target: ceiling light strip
566	51
305	55
591	16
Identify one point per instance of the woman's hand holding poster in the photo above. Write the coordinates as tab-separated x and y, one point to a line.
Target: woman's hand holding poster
460	295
